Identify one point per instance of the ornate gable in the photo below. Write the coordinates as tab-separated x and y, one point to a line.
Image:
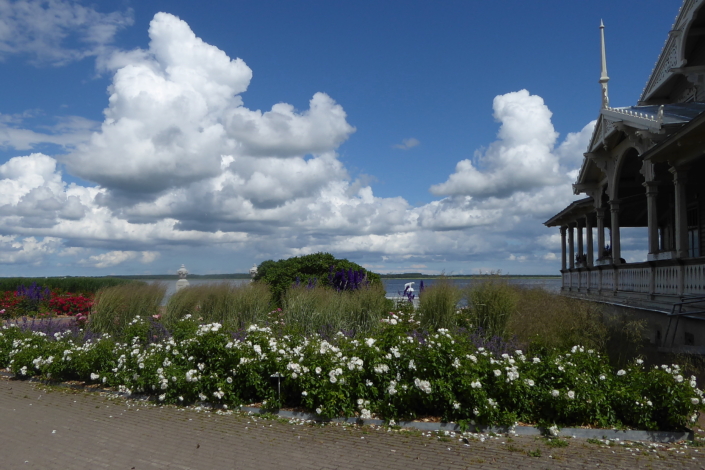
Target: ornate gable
672	60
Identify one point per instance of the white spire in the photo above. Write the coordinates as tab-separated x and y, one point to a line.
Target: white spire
603	75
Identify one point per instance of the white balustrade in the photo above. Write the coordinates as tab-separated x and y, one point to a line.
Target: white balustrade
607	279
666	280
694	282
634	279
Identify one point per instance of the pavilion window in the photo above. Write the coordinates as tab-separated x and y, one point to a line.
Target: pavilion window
693	232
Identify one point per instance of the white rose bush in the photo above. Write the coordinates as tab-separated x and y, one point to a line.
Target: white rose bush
397	372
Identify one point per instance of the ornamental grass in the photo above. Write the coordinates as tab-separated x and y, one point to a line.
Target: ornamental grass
438	305
231	305
317	309
115	307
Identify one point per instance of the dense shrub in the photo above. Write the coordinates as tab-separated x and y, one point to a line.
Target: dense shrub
311	270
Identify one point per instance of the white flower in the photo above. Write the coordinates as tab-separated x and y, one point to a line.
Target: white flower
369	383
472	358
456	405
162	397
141	365
318	410
536	360
423	385
476	384
304	393
95	376
694	401
639	361
412	366
318	370
381	368
497	372
369	342
621	372
333	379
571	394
229	380
392	390
202	397
365	414
456	363
555	393
529	382
602	377
679	378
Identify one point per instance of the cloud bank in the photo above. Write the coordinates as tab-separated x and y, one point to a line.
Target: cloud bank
56	32
180	164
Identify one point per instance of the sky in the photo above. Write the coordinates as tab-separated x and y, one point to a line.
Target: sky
407	136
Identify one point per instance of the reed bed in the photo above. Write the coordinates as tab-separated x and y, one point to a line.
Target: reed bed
115	307
232	306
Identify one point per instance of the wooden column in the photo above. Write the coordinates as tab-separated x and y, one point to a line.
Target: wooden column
614	232
588	232
679	179
571	245
600	232
563	254
651	193
580	239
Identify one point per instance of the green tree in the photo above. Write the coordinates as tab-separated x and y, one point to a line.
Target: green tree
313	269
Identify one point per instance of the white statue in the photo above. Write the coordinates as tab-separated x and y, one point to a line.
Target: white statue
182	282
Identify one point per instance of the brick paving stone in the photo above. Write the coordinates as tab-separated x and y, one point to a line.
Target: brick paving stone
57	428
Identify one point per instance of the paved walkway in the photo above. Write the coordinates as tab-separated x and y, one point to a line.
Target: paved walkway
57	428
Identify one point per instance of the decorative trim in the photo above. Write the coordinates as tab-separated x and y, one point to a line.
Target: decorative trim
671	56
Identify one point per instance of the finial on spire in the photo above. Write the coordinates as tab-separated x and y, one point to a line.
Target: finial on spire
603	75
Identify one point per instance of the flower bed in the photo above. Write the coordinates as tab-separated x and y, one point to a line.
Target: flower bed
398	373
40	301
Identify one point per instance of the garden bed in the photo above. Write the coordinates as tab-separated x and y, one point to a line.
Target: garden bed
397	373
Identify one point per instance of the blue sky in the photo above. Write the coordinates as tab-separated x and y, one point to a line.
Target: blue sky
405	135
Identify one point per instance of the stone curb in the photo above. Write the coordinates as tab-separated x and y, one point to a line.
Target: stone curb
613	434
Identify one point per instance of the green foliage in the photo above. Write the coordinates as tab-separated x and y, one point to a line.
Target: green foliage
438	305
232	306
115	307
282	274
490	305
83	285
391	373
